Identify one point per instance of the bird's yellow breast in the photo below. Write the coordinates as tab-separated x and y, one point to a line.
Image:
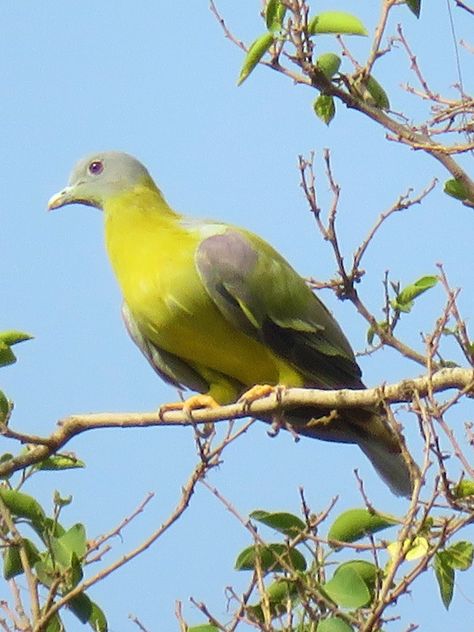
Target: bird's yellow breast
153	257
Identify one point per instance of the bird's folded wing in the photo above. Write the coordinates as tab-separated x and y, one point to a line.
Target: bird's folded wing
260	294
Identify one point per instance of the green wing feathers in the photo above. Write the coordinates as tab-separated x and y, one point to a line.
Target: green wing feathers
261	294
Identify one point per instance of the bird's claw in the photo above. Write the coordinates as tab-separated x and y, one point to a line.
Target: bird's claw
194	402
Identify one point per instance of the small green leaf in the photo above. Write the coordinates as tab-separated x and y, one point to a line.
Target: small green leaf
456	189
55	624
60	462
414	6
76	573
61	501
5	407
445	576
278	594
337	23
88	612
12	564
75	540
45	570
207	627
13	337
329	64
459	555
333	624
280	521
274	15
268	557
71	543
370	91
372	331
347	588
355	524
255	53
6	355
324	108
367	571
379	96
52	528
23	506
464	488
405	299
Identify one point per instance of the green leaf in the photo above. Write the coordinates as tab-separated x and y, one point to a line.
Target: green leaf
7	456
5	407
445	576
414	6
45	570
55	624
71	543
207	627
88	612
371	92
333	624
329	64
75	540
371	332
459	555
456	189
268	557
278	593
336	22
324	108
60	462
52	528
13	337
61	501
280	521
255	53
12	564
75	572
347	588
367	571
405	299
274	15
355	524
6	355
23	506
464	488
378	94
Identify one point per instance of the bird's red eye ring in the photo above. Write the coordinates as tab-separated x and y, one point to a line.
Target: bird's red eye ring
96	167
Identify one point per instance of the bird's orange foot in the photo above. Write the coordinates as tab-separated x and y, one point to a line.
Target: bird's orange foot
192	403
259	391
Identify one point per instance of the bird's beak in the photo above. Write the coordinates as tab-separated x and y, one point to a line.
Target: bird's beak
66	196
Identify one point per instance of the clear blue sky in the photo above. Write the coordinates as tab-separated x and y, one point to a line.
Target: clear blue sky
157	79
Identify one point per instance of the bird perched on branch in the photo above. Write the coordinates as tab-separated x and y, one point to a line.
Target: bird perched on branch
216	309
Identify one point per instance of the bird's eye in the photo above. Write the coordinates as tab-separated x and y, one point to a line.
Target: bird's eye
96	167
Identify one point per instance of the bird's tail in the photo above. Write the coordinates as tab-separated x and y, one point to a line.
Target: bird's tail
391	466
371	431
386	451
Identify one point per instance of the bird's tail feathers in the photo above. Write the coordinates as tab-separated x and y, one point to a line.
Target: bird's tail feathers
394	467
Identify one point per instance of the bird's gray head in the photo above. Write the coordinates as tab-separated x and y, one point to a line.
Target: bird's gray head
99	177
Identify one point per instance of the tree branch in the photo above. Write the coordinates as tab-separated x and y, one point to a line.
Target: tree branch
458	378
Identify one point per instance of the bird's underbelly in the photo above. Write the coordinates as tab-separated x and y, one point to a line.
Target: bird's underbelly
190	326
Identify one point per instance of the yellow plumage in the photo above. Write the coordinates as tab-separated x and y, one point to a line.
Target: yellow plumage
153	255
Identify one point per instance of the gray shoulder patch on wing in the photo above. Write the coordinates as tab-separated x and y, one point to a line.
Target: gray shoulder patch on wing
168	366
224	263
